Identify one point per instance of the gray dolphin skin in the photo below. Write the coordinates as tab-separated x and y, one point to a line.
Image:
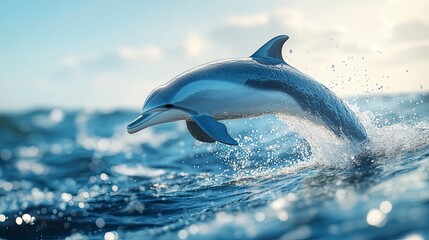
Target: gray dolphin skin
246	87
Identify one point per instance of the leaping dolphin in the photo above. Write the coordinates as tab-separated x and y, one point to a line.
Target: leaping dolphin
246	87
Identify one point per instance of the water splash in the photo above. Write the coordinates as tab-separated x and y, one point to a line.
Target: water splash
393	138
327	149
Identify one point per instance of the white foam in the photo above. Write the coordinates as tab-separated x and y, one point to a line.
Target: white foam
137	171
394	139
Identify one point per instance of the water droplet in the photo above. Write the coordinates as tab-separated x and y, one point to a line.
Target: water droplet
278	203
291	197
27	218
193	229
111	235
283	216
260	216
100	222
104	177
103	145
56	115
414	236
66	197
385	207
375	217
18	220
182	234
7	186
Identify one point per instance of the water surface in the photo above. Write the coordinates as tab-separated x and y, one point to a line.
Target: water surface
79	175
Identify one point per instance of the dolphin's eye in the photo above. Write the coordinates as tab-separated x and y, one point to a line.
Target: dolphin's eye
168	105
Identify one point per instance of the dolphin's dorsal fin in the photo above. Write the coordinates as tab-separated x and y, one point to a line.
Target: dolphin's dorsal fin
272	49
214	129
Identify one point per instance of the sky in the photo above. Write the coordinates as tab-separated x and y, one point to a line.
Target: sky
111	54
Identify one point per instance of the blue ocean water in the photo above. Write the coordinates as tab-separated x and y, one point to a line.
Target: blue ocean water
79	175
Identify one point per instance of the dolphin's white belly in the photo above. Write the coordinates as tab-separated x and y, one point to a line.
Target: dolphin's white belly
229	100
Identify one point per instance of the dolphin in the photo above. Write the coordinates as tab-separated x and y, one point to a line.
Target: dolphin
246	87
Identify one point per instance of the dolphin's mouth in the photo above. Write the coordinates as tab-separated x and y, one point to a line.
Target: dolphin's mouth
141	122
157	116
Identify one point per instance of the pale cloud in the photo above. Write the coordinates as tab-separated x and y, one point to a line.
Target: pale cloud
120	88
111	80
419	53
405	23
195	44
305	31
293	18
85	64
70	62
411	31
259	19
372	33
150	53
396	12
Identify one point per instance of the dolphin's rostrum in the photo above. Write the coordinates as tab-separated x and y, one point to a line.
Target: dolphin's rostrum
246	87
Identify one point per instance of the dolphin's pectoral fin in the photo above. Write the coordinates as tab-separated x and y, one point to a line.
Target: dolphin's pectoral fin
214	129
272	49
198	133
